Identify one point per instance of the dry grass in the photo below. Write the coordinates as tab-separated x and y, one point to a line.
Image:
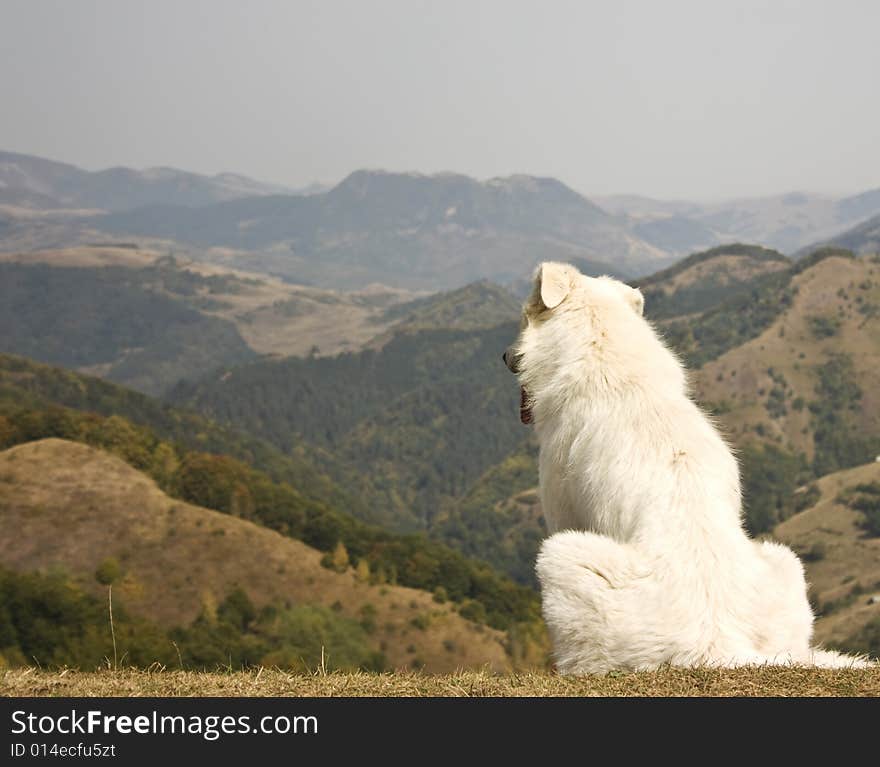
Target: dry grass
744	682
724	268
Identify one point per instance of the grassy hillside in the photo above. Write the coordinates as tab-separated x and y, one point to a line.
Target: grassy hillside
807	382
36	387
746	682
228	486
703	280
172	562
842	556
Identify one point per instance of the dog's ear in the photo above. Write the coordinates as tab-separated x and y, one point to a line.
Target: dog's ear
636	300
555	284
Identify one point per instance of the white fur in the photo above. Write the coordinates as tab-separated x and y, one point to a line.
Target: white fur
648	562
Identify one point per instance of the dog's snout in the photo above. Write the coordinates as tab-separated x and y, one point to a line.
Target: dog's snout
511	360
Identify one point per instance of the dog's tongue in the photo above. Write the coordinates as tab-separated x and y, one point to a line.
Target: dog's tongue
525	412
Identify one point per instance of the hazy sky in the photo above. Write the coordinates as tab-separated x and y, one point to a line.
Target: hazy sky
671	98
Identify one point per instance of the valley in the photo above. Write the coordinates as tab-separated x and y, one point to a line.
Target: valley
258	411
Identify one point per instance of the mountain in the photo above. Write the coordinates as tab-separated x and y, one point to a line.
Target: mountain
864	238
788	223
75	508
406	230
34	182
401	229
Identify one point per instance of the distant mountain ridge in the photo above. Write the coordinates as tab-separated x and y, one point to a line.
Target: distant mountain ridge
37	182
787	222
864	238
409	231
401	229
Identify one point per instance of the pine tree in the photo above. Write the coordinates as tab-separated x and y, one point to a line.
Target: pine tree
340	559
362	571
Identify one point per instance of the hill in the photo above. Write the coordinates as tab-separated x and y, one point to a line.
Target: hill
805	383
405	230
45	393
703	280
35	182
139	327
841	556
230	486
740	683
477	305
420	419
177	561
147	320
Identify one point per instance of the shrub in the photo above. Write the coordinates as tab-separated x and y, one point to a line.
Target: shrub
867	501
421	621
823	325
815	553
473	611
108	571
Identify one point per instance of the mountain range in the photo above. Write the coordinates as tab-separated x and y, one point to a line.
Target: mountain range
405	230
34	182
787	222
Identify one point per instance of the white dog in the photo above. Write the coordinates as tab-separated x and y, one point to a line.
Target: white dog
654	566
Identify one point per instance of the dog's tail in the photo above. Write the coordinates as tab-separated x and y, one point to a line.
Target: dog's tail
833	659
